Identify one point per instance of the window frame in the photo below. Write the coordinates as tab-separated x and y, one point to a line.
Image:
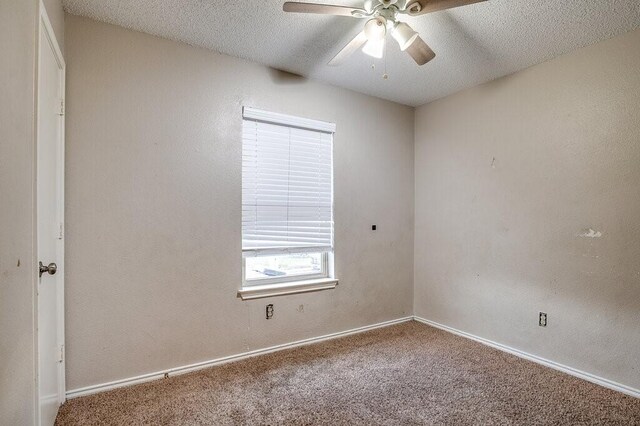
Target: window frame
270	286
286	279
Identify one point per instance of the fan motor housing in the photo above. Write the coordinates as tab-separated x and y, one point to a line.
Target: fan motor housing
388	14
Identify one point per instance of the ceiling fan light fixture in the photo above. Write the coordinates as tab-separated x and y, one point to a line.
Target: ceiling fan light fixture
374	48
368	5
375	29
381	19
404	35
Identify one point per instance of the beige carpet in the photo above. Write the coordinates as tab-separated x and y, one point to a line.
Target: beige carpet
401	375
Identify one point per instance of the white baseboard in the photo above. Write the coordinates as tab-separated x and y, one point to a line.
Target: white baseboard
74	393
560	367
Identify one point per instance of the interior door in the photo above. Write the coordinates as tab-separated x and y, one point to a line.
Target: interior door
50	210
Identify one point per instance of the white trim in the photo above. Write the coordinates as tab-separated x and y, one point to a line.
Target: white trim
287	120
269	251
89	390
219	361
270	290
44	26
538	360
44	17
291	279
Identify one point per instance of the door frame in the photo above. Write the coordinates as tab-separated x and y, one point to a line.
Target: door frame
45	28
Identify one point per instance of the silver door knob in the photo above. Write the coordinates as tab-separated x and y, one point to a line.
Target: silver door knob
50	269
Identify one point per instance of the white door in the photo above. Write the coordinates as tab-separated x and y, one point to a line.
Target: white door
50	210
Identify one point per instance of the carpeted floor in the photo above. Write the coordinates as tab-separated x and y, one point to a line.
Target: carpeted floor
405	374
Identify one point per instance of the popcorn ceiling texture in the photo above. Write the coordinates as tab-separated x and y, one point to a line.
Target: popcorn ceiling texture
474	44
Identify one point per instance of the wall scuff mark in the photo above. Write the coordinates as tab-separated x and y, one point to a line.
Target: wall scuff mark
590	233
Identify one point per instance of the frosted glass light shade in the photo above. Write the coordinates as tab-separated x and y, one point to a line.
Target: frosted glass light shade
404	35
375	29
374	48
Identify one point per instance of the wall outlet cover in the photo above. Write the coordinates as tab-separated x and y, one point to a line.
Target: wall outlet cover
542	319
269	311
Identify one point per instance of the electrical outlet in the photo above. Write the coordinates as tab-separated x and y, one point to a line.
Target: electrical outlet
542	319
269	311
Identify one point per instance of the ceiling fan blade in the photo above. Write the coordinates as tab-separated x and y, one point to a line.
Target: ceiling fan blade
323	9
420	7
348	50
420	52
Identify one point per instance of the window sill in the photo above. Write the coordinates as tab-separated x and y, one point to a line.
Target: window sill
270	290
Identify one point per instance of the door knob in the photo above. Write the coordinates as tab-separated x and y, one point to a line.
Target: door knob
51	269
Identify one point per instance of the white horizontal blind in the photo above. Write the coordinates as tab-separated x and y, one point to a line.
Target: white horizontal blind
287	184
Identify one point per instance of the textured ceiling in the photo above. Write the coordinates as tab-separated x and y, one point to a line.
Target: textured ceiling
474	43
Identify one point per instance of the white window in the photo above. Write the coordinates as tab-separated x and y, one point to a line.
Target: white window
287	199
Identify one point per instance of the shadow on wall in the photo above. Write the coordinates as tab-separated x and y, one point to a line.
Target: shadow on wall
285	77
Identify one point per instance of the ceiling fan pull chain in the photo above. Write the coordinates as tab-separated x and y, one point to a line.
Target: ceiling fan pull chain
385	76
381	20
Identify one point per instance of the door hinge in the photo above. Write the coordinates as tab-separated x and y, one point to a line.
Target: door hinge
61	112
61	354
60	231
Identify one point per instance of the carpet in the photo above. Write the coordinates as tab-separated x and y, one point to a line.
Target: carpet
406	374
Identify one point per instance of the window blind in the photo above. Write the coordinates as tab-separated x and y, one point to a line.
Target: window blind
287	183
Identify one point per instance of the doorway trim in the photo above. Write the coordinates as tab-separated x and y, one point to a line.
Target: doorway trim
45	28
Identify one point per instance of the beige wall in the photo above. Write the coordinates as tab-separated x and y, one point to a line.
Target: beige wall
508	176
17	44
153	206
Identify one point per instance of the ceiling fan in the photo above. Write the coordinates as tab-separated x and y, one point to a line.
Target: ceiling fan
382	19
